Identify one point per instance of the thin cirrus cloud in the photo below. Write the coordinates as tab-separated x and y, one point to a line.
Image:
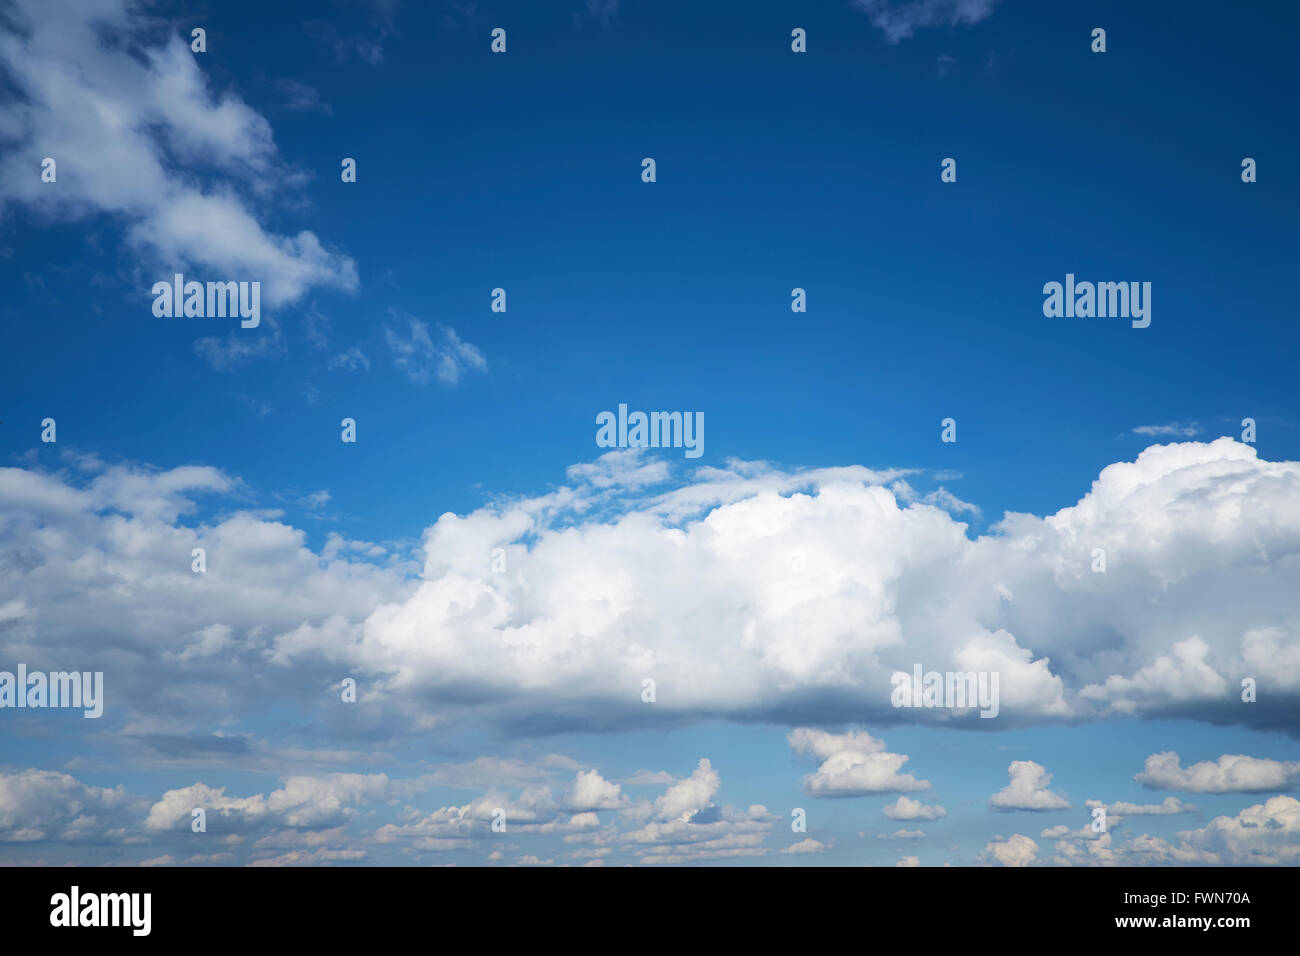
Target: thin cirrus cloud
235	350
422	354
899	19
1169	430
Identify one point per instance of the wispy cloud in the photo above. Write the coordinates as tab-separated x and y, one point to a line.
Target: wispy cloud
353	360
240	348
602	11
137	134
1170	430
301	97
899	19
422	356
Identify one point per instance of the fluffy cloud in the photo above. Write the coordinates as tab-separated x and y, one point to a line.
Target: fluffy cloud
330	818
1019	850
322	819
301	802
1264	834
853	764
1117	811
618	578
732	834
177	648
120	108
1231	773
806	845
1083	847
685	825
905	808
1028	789
38	805
590	791
533	811
748	592
629	468
1185	674
684	799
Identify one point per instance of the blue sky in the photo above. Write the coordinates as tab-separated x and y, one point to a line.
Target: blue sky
476	430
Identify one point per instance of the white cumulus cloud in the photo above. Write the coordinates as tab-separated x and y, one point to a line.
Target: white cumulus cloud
1028	789
1231	773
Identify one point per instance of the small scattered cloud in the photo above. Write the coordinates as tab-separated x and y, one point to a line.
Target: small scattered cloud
1028	789
421	354
314	501
353	360
853	764
650	778
363	38
301	97
899	19
808	845
602	11
242	346
1019	850
259	407
902	834
905	808
624	469
1231	773
1166	807
1169	430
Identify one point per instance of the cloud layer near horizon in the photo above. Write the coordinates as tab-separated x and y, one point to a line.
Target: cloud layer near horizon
747	592
330	818
758	594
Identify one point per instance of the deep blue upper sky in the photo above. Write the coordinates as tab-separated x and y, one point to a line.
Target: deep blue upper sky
775	170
